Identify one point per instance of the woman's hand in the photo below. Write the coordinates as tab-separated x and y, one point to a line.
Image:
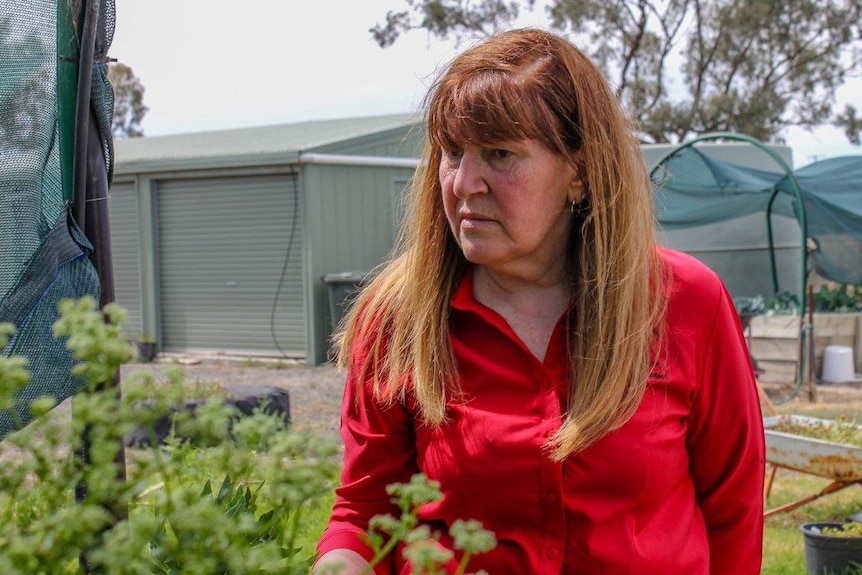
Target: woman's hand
341	562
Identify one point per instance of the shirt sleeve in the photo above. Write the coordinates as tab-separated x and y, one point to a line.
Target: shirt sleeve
379	449
726	447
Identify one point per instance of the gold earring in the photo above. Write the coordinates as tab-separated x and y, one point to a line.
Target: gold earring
572	207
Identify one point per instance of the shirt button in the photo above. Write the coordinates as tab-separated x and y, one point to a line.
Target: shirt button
553	497
553	553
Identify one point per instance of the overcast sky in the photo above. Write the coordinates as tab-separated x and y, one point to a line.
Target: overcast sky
213	64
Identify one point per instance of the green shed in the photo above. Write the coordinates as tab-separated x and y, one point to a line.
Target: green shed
222	240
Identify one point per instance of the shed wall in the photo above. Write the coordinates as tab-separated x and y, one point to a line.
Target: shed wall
351	219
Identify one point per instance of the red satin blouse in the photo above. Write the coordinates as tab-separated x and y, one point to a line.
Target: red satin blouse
676	491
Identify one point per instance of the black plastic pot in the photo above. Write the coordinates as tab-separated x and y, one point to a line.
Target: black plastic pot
829	554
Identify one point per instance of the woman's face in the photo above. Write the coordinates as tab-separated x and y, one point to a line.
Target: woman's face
508	205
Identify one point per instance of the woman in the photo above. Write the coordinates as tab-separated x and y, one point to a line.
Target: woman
583	393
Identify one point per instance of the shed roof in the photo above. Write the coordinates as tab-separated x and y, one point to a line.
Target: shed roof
240	147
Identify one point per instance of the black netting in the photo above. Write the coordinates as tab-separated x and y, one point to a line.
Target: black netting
102	94
43	256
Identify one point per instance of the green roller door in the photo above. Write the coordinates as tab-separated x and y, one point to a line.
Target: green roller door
227	248
125	253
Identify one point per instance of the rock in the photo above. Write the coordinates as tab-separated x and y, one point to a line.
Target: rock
245	400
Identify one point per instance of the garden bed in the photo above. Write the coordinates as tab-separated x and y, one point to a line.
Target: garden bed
774	341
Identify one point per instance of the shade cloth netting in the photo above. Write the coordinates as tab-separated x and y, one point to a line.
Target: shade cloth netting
43	254
693	189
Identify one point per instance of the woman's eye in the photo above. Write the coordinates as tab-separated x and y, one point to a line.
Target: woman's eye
500	154
454	154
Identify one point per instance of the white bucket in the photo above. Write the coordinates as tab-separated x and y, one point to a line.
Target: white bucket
838	364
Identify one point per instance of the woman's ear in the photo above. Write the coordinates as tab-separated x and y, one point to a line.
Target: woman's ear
576	191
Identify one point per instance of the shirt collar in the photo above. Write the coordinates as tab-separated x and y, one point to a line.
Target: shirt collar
463	299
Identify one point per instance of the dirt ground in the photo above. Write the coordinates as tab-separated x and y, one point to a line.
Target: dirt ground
829	399
316	391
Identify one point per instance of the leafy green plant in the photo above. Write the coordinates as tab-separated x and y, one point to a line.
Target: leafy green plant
422	549
782	303
850	529
754	305
163	517
157	511
837	299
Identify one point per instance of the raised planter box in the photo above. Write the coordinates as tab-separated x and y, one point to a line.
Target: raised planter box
774	342
835	461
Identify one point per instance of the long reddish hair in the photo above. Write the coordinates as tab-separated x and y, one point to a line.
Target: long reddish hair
524	84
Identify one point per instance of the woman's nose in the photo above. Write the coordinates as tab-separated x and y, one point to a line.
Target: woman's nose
470	176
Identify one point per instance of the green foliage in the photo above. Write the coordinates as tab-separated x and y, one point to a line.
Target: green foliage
782	303
13	374
851	529
129	512
827	299
445	17
422	550
838	299
94	342
749	305
748	66
164	515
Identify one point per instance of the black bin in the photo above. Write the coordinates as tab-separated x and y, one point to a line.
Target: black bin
343	288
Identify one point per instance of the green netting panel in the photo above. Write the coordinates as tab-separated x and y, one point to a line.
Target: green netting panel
43	256
59	269
832	194
692	189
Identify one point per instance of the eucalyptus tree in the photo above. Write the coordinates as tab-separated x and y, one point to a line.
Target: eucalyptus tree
129	108
688	67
